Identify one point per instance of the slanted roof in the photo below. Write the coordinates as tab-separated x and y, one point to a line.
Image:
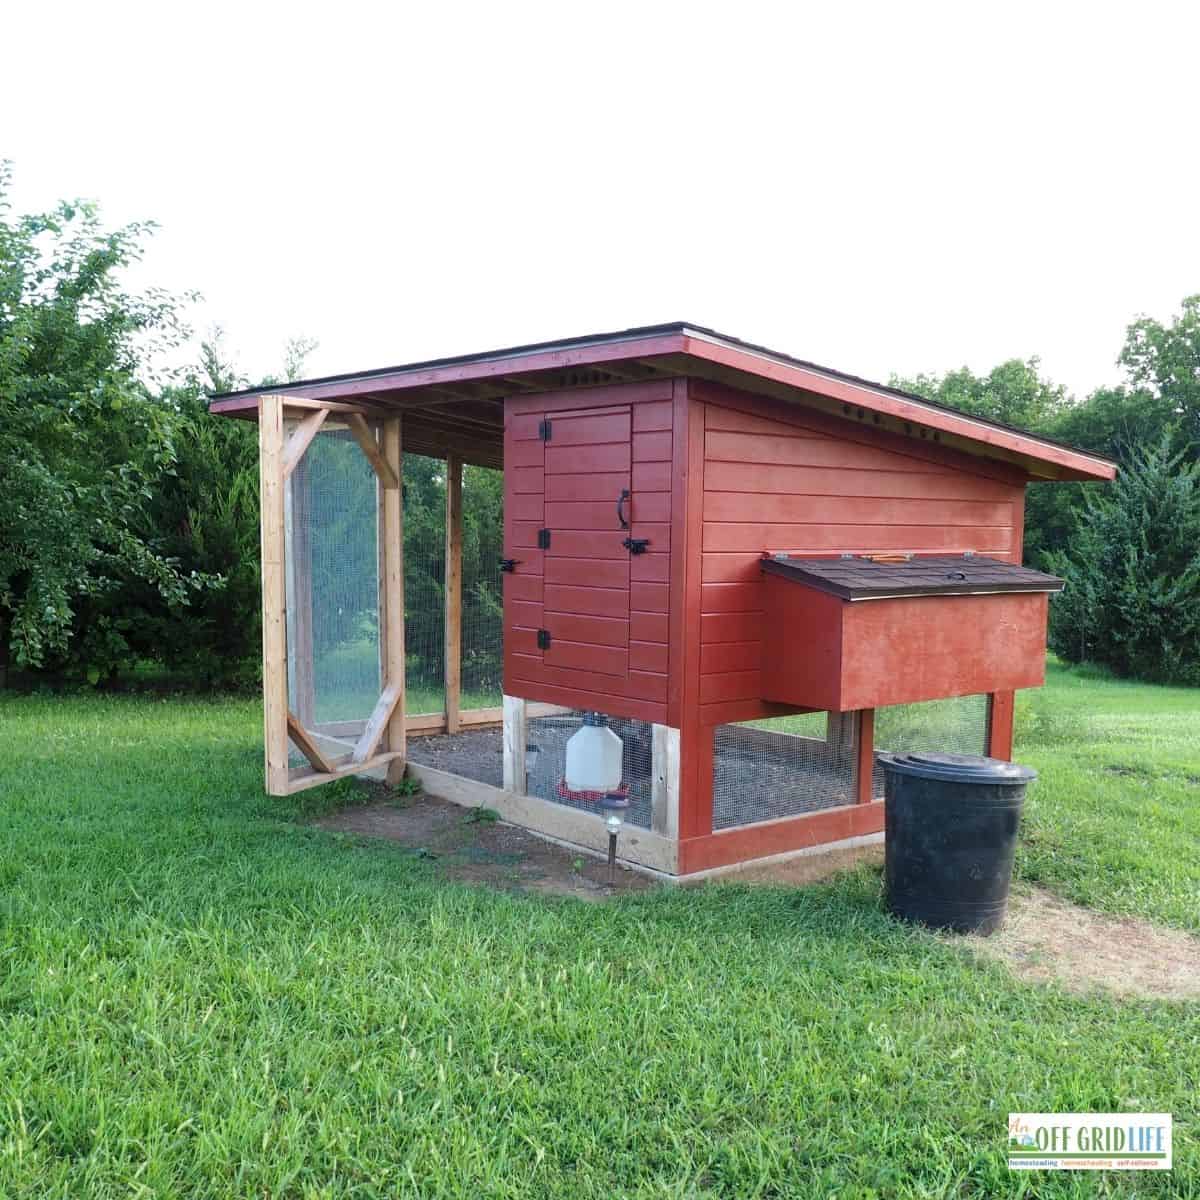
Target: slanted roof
864	577
456	404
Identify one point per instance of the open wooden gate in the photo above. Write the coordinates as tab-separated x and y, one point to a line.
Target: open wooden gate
368	446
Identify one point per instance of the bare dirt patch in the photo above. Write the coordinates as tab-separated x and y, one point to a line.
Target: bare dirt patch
473	850
1044	940
1049	940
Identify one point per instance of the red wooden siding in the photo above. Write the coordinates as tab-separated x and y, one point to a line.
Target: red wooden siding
776	479
607	611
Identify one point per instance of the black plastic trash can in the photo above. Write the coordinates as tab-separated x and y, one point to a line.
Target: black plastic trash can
950	837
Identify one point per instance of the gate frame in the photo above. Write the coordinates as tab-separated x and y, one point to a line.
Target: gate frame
381	742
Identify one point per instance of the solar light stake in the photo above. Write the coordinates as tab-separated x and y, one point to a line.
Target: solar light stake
614	803
613	825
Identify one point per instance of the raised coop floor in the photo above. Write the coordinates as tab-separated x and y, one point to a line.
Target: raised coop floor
770	777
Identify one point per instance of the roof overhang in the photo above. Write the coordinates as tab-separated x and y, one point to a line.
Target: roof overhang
455	405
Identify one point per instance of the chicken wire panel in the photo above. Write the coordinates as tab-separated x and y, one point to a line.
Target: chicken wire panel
958	725
551	734
332	579
482	662
781	767
424	583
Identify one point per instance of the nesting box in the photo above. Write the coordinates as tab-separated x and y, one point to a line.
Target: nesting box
866	631
696	535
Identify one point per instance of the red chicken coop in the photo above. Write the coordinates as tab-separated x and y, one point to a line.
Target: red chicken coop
729	579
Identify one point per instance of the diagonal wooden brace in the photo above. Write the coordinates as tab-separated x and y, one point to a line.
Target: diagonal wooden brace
307	745
378	722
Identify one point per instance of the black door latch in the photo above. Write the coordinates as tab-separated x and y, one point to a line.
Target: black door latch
508	564
636	545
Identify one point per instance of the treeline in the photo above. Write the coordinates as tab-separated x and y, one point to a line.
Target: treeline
129	516
1130	551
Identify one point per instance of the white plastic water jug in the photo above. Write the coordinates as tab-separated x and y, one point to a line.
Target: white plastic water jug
594	755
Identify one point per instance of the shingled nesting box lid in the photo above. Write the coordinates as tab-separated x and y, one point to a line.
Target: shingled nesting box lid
934	627
866	578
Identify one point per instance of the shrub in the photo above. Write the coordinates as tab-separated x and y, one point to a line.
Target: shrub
1132	600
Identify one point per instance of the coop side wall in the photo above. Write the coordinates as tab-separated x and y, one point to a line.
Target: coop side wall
762	475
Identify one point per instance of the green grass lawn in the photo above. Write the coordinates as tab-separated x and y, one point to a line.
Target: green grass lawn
1114	820
201	997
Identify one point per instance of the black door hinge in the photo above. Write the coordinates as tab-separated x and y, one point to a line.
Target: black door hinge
636	545
543	539
544	429
508	564
543	639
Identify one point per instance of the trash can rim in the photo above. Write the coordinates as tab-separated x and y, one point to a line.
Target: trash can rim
959	768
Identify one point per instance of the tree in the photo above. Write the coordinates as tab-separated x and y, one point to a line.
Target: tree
1164	361
82	442
204	511
205	508
1132	599
1012	393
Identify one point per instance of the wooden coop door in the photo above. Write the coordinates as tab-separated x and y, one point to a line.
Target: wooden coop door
587	523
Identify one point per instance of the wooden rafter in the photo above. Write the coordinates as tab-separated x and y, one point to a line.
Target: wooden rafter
439	444
525	385
337	406
455	422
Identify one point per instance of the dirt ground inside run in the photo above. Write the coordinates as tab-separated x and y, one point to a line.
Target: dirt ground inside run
1044	939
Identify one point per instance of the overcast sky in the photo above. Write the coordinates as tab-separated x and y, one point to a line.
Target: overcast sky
878	188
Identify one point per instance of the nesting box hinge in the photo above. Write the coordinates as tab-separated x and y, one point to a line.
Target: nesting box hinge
544	429
636	545
543	639
543	539
508	564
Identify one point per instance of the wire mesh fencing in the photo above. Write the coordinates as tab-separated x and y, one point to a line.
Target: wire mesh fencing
332	580
954	726
424	481
482	588
333	585
480	652
782	767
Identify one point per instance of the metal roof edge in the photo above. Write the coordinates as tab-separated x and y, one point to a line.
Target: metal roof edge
883	390
1101	467
487	356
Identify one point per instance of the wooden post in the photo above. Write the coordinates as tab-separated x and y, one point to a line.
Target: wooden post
841	733
274	594
514	745
391	532
664	775
864	767
1001	709
453	592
